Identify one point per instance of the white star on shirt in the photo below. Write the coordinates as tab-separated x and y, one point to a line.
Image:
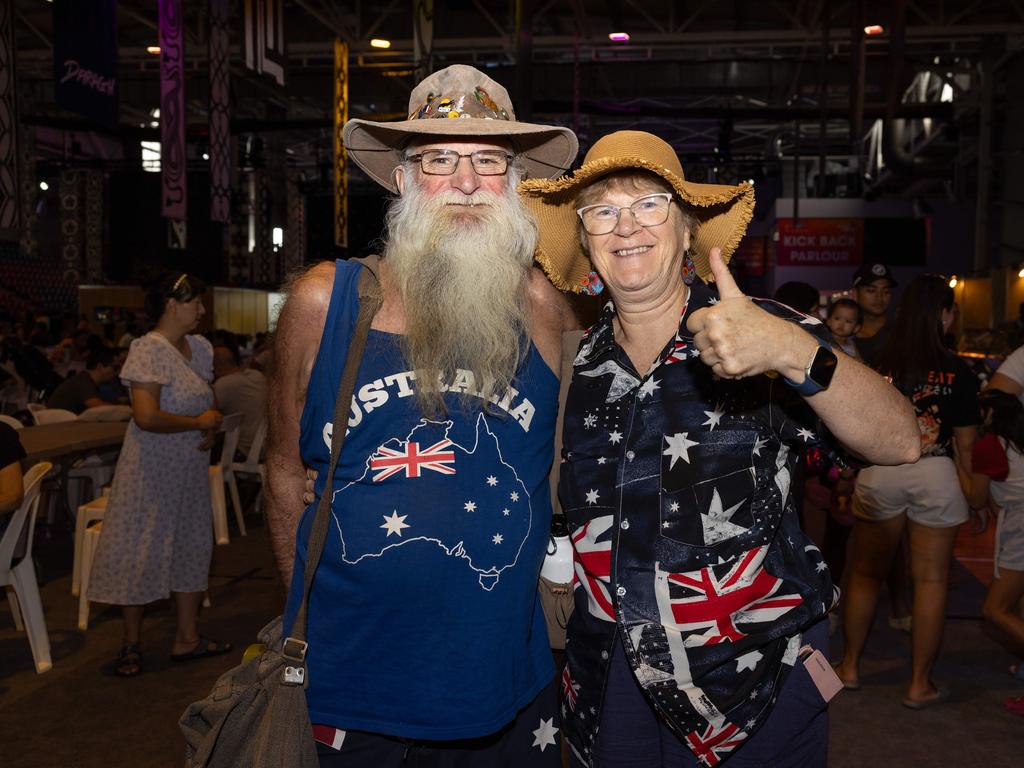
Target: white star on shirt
674	506
647	388
505	512
678	447
469	506
712	301
601	460
806	434
497	538
614	437
394	524
665	524
545	734
695	352
592	496
714	417
590	421
492	481
748	661
758	445
822	566
514	495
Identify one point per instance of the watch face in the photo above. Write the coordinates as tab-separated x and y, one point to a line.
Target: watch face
823	367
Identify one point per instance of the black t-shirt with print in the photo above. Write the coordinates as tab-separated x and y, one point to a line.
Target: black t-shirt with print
948	398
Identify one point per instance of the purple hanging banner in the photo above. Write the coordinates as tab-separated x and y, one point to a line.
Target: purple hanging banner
172	109
220	129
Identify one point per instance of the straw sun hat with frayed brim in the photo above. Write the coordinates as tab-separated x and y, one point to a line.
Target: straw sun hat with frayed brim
722	211
458	102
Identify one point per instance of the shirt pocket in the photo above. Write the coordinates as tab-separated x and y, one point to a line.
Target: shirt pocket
709	486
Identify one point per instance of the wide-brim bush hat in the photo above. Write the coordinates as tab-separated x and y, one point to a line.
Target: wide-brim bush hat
458	101
722	211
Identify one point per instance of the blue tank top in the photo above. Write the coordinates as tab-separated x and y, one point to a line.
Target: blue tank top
424	620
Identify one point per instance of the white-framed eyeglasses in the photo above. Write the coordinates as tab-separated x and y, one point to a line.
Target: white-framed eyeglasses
648	211
444	162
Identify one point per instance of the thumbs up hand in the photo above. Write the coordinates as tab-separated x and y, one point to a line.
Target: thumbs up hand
736	338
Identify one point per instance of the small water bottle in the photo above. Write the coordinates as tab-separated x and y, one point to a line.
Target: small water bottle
557	566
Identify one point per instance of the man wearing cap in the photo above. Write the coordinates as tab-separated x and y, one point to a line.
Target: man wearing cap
872	285
425	634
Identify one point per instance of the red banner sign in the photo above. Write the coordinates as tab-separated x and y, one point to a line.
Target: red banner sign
819	242
750	256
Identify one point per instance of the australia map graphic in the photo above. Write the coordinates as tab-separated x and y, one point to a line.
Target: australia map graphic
427	489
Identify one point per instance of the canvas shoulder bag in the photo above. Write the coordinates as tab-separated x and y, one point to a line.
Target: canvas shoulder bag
256	714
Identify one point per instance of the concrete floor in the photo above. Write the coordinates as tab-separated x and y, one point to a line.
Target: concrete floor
80	715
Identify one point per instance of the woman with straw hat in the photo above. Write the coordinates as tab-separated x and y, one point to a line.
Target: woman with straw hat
700	594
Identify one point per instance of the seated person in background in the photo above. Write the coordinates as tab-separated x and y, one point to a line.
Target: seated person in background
239	390
11	454
114	391
81	391
844	319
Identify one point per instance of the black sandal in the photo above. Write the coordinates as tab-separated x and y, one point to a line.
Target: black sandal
204	647
129	661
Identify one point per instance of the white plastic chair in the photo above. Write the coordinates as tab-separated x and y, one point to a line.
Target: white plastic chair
88	514
253	464
51	415
89	544
219	474
20	578
10	421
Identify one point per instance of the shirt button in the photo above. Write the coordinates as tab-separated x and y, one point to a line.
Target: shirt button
624	525
630	455
621	591
604	655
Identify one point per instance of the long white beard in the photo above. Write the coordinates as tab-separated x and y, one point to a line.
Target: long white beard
461	275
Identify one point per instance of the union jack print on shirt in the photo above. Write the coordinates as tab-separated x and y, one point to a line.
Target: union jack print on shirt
707	744
570	688
592	559
389	461
720	598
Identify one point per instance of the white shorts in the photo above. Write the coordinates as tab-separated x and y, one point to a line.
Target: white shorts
1010	540
928	491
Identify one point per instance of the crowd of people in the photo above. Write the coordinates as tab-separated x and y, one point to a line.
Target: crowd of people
698	426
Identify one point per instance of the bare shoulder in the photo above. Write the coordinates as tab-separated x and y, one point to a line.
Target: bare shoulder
302	320
551	315
548	306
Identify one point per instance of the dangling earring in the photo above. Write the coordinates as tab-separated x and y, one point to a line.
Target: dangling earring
592	284
689	270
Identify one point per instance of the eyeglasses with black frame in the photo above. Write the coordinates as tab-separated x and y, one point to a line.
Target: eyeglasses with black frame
648	211
444	162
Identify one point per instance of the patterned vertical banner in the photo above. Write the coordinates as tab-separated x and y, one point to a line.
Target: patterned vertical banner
29	192
238	270
264	38
71	223
295	232
172	109
220	96
340	156
94	199
10	208
263	256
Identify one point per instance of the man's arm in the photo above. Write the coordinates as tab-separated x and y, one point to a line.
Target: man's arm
296	341
861	409
550	315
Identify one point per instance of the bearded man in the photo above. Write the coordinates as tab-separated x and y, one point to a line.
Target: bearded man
425	633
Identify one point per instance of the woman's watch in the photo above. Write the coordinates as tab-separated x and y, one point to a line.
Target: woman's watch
818	373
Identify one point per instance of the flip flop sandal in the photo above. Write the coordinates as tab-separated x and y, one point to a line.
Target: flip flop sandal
129	661
204	647
919	704
849	685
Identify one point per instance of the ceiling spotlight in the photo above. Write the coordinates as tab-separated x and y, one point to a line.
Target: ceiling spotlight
619	37
206	155
44	186
874	29
378	42
953	281
153	49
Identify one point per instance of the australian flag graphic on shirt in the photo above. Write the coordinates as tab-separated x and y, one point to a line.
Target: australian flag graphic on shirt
425	489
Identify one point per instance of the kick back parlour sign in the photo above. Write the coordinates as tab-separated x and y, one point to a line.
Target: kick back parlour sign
819	242
85	58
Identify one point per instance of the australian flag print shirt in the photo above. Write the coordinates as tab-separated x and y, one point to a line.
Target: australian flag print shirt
676	487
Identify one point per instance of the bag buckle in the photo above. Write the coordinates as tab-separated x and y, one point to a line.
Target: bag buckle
294	650
294	675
